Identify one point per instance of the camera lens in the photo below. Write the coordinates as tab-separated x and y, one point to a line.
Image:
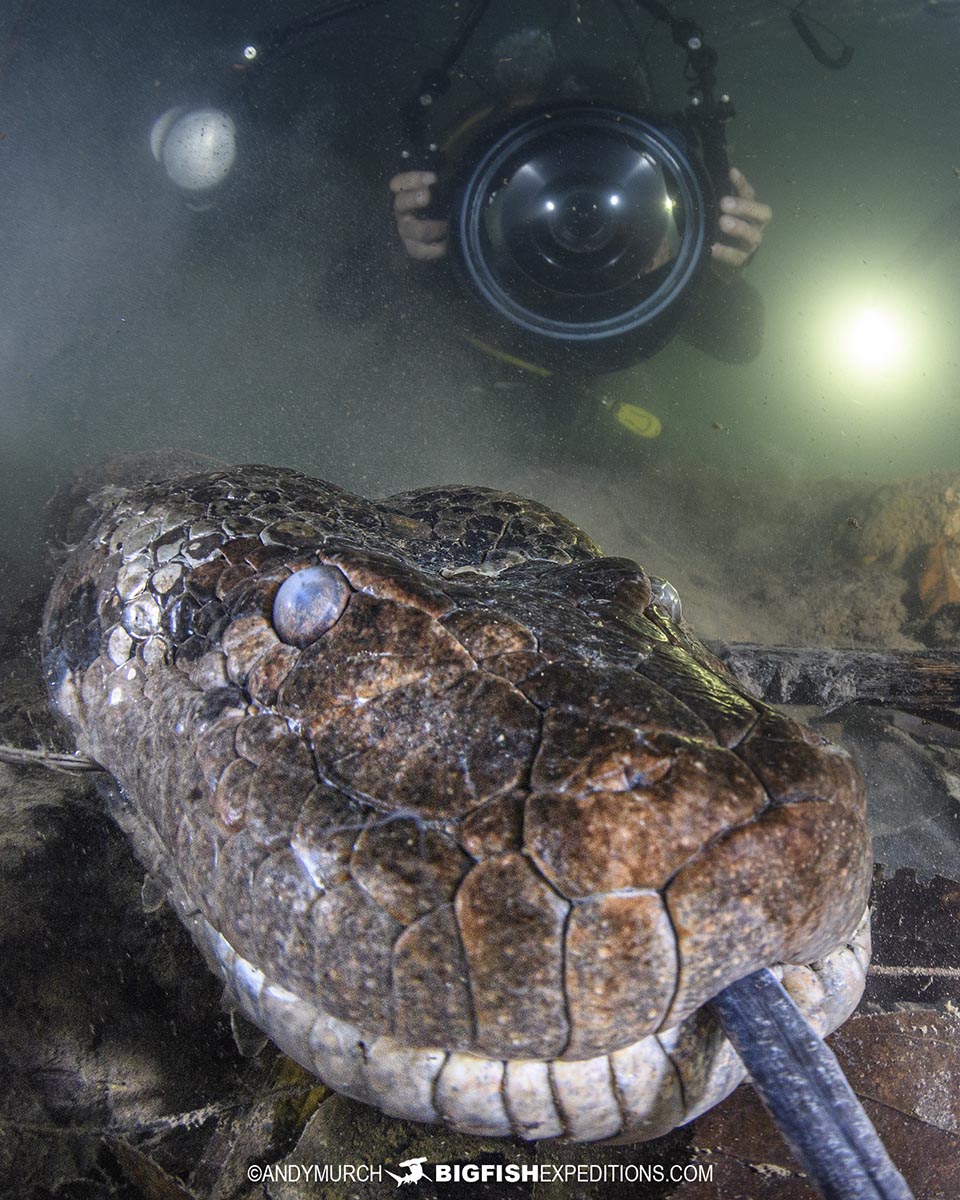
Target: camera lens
579	223
584	225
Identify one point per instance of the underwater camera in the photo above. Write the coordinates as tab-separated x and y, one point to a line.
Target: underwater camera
582	227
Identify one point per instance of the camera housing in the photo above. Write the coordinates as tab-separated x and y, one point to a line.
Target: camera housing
582	231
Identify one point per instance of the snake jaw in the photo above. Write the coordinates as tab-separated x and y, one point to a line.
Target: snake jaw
639	1092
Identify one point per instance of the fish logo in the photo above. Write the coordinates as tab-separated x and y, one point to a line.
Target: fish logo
415	1171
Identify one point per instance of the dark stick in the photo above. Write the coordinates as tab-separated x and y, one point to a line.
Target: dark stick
829	678
55	760
802	1087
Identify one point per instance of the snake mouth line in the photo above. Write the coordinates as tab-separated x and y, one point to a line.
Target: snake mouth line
636	1093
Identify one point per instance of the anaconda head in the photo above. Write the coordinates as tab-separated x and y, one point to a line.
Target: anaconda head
468	822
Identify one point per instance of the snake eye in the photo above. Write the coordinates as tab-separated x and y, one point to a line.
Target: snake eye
309	603
664	595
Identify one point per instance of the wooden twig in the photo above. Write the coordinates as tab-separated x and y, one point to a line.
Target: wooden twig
829	678
53	760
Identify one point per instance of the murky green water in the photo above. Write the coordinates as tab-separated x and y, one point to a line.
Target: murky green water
271	328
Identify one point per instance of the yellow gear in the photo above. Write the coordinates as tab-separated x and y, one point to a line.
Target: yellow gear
637	420
521	364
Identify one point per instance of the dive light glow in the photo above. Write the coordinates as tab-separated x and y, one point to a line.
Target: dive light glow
873	340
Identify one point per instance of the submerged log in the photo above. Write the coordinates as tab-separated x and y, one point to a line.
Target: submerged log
830	677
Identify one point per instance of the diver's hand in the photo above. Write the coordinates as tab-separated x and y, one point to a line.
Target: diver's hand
422	238
742	222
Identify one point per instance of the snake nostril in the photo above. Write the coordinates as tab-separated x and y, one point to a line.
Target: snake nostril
665	596
309	603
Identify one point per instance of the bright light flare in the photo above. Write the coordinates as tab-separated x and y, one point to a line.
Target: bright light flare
873	341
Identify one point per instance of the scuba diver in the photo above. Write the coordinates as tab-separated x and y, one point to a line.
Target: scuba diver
571	223
723	316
